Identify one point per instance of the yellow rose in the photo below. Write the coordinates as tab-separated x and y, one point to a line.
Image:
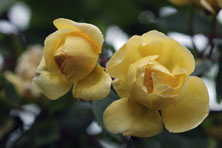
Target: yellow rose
212	6
25	71
151	76
70	57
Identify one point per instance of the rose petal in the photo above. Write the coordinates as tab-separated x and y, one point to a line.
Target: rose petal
52	43
126	55
121	87
81	58
154	35
128	117
50	84
206	5
191	109
135	79
95	86
171	54
150	47
92	32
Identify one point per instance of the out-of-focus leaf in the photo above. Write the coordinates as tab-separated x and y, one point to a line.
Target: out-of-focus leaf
99	106
11	94
171	140
41	133
219	83
4	111
171	23
179	22
6	127
202	67
8	100
60	104
4	4
75	117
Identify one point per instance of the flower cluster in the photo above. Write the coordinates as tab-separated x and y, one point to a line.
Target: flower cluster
151	75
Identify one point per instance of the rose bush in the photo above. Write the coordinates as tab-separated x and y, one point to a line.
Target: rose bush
70	57
152	78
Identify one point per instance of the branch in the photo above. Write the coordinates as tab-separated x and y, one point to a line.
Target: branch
212	35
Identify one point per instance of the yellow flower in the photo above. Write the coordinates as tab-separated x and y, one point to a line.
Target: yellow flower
212	6
70	57
151	76
25	71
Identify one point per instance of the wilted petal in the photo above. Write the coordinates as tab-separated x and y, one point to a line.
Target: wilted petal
130	118
190	110
95	86
89	31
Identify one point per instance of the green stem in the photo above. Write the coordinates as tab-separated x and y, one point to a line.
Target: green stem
212	35
191	29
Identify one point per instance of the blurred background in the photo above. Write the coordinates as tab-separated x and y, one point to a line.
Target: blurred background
28	119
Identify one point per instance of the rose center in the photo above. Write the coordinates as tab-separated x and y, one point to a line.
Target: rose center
61	60
148	81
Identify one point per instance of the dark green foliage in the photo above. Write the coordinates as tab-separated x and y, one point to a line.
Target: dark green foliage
219	83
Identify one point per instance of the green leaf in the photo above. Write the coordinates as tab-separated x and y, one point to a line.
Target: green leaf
75	117
99	107
171	140
179	22
202	67
219	83
62	103
171	22
41	133
10	97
